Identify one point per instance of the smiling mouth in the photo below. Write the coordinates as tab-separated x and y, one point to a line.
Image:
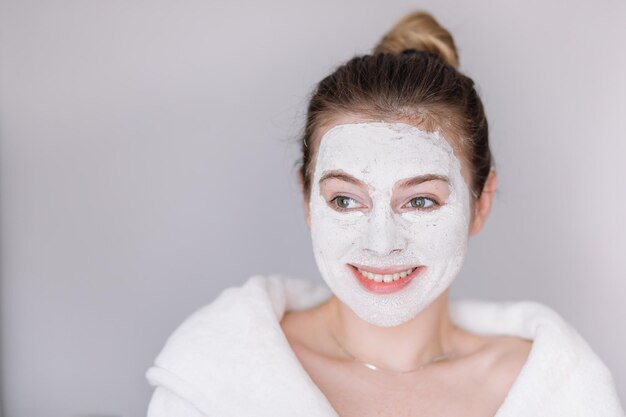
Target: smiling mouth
385	277
384	281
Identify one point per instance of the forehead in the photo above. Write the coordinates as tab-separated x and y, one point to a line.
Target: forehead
373	150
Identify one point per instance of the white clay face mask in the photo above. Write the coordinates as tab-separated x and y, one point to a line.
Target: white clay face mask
389	218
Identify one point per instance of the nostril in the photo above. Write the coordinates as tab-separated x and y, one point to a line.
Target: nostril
383	252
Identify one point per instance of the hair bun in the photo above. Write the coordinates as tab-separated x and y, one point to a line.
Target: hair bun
421	32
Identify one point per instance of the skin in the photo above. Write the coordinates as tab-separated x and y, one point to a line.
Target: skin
473	381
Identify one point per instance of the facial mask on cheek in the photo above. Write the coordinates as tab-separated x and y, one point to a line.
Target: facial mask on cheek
430	243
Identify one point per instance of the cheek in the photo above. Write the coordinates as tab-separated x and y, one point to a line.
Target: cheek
334	234
438	236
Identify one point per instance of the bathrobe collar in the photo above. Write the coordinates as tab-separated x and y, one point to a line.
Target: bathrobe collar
231	357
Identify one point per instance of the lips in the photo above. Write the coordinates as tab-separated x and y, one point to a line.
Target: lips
385	280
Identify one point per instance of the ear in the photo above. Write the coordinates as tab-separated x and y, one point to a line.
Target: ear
482	205
305	199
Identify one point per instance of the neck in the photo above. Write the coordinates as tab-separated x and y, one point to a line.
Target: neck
400	348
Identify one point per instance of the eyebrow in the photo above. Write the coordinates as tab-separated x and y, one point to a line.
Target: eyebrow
410	182
339	175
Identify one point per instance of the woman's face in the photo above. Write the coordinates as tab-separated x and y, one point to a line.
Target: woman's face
389	215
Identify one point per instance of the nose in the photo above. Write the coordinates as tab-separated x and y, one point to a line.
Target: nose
383	235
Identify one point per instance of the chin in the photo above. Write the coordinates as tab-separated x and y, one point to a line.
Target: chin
395	308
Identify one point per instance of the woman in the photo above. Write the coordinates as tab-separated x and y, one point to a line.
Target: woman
396	175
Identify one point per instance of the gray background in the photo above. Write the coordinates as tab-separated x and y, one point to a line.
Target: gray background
147	162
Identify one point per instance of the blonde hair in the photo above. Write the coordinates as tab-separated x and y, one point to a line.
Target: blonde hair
420	31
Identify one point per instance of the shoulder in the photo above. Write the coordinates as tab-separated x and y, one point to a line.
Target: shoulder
501	359
305	332
209	355
514	329
560	368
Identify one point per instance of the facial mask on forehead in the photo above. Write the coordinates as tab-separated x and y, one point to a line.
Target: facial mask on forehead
384	253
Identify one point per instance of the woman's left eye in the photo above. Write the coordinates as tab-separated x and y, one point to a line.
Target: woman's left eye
422	203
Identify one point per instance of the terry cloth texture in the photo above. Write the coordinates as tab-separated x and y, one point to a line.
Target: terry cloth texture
232	359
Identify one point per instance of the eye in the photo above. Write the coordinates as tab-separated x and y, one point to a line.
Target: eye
342	203
422	203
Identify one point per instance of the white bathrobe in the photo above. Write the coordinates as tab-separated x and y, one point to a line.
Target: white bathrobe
231	359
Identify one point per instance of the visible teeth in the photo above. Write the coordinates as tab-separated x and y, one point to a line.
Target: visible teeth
386	278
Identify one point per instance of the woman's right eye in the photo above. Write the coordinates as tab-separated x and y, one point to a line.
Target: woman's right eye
344	203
